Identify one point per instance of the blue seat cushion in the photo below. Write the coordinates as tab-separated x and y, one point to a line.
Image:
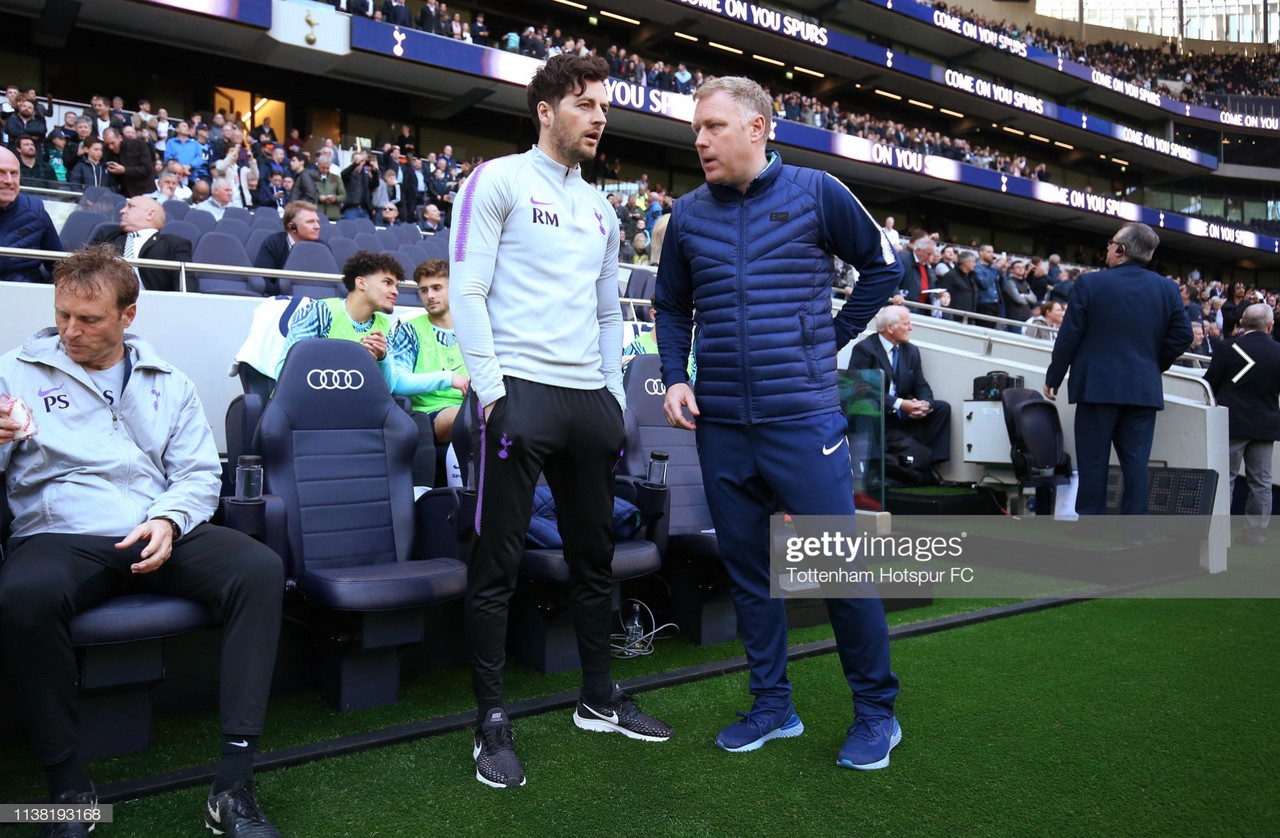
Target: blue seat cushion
630	559
138	617
388	586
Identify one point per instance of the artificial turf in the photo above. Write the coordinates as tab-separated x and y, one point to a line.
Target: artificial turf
1113	717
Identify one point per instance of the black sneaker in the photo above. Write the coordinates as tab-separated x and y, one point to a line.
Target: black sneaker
497	765
236	812
621	715
74	829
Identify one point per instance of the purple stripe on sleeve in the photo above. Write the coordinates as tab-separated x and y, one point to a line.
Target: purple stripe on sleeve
463	227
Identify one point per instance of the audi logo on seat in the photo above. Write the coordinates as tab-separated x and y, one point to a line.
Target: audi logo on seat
655	387
335	379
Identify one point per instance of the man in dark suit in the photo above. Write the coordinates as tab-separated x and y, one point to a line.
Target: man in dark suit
961	283
1124	327
909	405
396	12
301	223
130	162
1245	377
138	236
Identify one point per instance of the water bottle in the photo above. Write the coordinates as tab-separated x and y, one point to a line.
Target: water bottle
634	630
249	478
658	468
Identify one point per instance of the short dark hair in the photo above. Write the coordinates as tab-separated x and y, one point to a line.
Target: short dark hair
431	267
561	76
366	262
95	269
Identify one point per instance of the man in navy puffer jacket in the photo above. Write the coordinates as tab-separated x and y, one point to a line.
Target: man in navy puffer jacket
23	223
750	252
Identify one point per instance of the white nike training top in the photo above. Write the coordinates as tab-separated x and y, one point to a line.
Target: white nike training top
533	278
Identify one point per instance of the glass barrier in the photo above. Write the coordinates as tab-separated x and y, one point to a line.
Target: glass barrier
862	399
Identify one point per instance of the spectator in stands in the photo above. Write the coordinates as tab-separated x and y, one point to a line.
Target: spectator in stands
301	224
76	148
35	171
389	215
184	149
987	276
142	116
166	188
1197	347
91	171
946	262
304	184
330	191
1051	313
371	280
138	236
429	17
266	132
1124	312
909	405
1019	299
397	13
1247	383
219	198
53	153
429	367
962	283
200	193
134	498
24	223
355	7
713	258
388	191
561	406
129	162
1235	305
479	31
358	178
1061	290
102	117
432	222
25	122
918	276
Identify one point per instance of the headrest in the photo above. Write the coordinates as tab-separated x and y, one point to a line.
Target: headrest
645	391
332	384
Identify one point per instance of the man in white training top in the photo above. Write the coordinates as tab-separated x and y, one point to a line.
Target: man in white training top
530	237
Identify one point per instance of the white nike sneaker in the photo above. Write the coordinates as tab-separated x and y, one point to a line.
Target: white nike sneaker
621	715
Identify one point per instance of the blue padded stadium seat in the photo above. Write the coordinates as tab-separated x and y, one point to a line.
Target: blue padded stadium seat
266	219
226	250
78	227
342	249
700	603
369	242
238	214
348	228
204	221
406	260
337	450
437	246
234	227
314	257
175	210
406	233
186	229
388	238
121	658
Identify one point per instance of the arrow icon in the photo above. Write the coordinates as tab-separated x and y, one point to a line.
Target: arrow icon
1248	363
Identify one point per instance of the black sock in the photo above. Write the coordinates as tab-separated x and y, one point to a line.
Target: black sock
236	767
597	688
68	775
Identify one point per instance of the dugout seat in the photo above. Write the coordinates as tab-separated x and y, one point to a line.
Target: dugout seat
1040	460
336	450
699	584
120	654
540	632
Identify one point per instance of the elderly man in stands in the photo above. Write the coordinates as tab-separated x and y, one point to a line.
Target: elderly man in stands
219	199
23	223
138	236
134	496
331	194
301	224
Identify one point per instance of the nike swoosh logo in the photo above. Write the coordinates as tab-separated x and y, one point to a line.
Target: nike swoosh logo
43	393
243	743
612	718
213	813
538	203
826	452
